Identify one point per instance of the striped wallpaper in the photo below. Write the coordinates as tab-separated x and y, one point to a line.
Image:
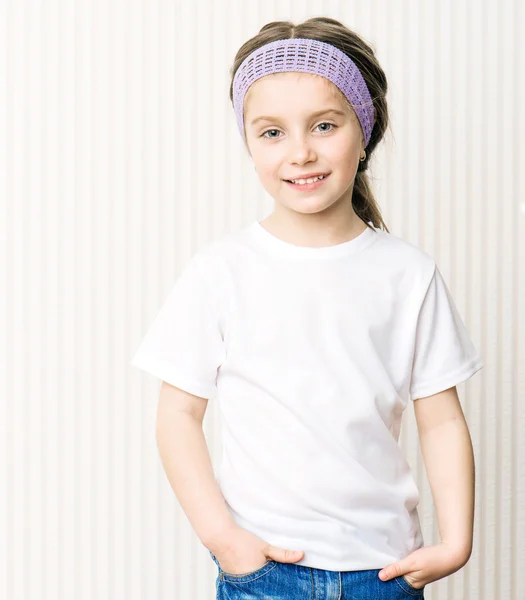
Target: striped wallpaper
120	159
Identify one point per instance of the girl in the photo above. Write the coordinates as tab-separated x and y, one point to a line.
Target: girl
313	329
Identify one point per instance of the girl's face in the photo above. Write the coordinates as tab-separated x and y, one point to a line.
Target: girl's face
286	139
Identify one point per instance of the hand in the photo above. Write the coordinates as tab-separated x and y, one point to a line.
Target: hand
240	551
425	565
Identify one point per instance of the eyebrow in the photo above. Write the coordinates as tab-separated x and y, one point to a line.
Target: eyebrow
315	114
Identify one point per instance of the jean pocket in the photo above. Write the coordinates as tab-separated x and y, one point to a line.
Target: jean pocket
408	587
244	577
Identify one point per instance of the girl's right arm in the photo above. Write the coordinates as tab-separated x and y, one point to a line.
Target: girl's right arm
186	460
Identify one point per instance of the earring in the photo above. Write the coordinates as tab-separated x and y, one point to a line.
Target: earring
362	158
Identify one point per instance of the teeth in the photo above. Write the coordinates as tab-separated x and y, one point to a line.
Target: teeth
303	181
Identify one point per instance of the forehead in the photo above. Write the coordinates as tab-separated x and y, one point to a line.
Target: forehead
306	92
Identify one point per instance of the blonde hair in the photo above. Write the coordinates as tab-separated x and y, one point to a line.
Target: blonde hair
326	29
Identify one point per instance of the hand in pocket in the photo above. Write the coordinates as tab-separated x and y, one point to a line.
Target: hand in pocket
240	552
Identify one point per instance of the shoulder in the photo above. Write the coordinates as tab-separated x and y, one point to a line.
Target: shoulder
212	267
405	257
223	254
211	258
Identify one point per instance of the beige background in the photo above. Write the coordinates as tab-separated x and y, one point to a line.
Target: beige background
121	158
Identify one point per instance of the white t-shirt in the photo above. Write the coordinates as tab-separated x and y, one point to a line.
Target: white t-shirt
313	355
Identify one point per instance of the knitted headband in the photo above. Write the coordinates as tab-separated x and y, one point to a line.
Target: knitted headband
310	56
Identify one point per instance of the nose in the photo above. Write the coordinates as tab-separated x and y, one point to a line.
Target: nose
301	150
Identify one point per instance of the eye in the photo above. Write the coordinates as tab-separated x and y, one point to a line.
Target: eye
274	138
333	126
268	131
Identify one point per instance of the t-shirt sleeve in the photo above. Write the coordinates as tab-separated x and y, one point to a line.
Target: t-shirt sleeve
184	344
444	353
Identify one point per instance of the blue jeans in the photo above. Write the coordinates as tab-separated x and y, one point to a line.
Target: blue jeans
289	581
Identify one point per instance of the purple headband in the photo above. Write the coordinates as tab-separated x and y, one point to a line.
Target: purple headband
310	56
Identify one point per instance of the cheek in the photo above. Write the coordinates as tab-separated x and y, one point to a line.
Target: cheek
266	166
347	161
343	152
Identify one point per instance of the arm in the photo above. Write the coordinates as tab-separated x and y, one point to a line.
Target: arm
188	466
186	460
449	461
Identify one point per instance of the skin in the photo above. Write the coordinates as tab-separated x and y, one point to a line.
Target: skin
295	143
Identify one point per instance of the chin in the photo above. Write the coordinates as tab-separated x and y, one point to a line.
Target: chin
309	208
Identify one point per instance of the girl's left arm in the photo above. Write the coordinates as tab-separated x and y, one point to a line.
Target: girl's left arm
447	451
449	461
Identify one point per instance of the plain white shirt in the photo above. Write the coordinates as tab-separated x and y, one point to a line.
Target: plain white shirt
312	355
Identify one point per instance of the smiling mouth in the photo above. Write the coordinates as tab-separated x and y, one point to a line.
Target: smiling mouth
307	187
325	176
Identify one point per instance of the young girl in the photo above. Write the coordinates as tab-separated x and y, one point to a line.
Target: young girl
313	329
